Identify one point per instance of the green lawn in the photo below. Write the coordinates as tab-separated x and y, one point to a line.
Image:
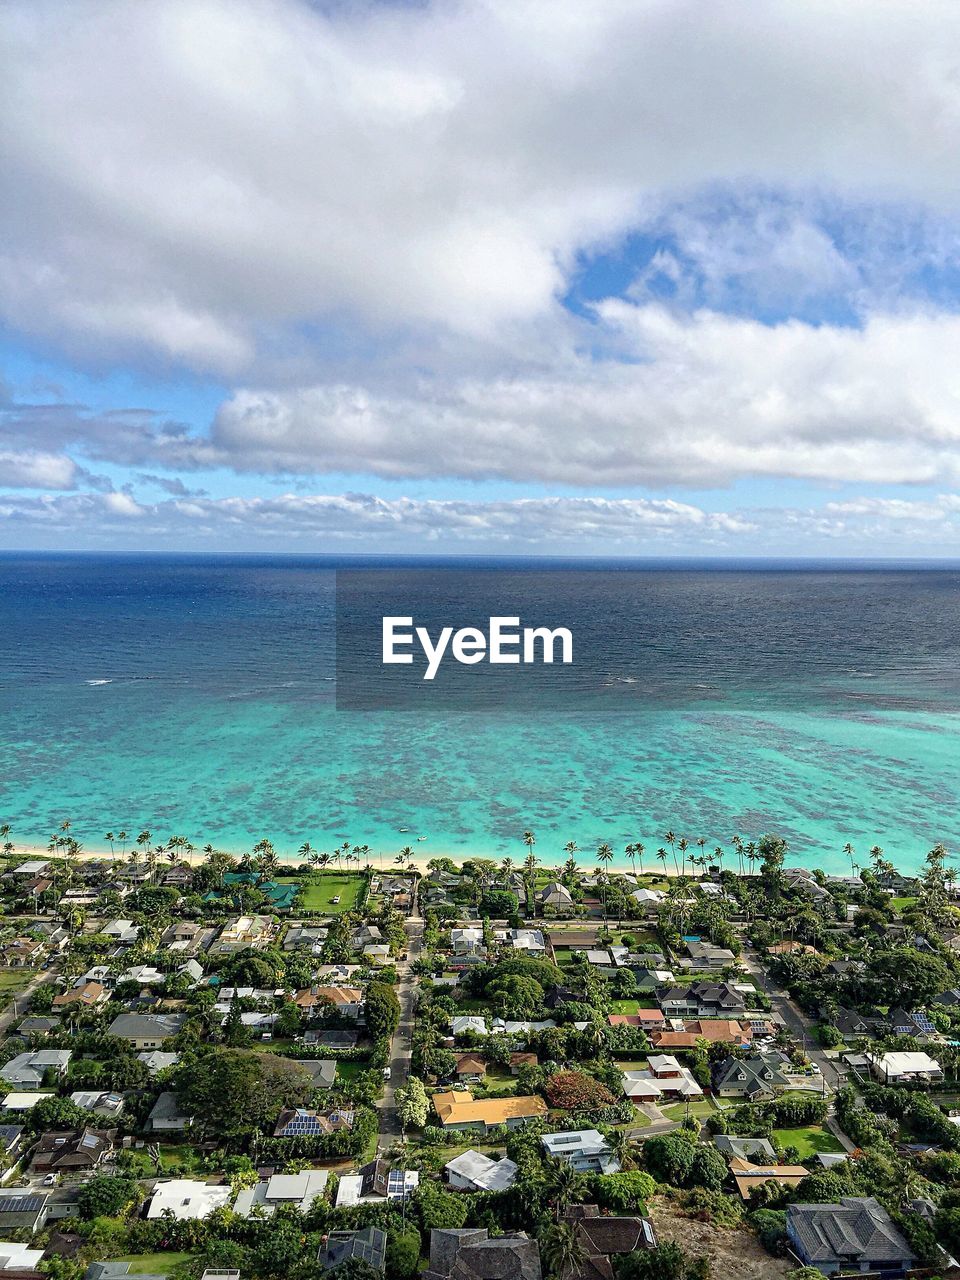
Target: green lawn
631	1006
809	1141
142	1264
677	1110
319	889
900	904
12	982
350	1070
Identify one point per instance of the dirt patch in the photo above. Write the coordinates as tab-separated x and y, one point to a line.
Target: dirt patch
732	1252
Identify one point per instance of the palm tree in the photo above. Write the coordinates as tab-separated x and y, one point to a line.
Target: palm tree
110	837
848	850
562	1252
671	840
737	843
565	1186
305	850
683	847
123	838
662	855
605	855
144	838
623	1148
506	868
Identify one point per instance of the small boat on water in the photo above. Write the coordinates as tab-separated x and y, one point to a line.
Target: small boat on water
402	829
421	837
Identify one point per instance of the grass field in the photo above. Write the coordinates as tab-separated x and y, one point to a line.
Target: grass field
160	1264
12	982
319	890
677	1110
809	1141
632	1006
900	904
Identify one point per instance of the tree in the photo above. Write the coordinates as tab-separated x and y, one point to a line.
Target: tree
561	1251
234	1092
413	1106
106	1197
437	1208
576	1091
565	1186
707	1168
403	1253
382	1010
666	1262
669	1156
519	996
56	1113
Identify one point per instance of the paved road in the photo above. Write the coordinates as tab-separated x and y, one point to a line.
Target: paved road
401	1045
794	1018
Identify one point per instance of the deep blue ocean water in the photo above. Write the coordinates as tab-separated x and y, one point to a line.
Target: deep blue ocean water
196	696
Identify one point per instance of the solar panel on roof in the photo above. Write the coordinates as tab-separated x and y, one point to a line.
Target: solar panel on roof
21	1204
923	1022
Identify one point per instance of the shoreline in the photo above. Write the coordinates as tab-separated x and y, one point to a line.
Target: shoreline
419	860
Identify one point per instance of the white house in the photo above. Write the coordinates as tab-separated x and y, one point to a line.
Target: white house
466	941
468	1022
187	1199
473	1171
529	941
300	1189
585	1150
27	1070
124	931
895	1068
663	1077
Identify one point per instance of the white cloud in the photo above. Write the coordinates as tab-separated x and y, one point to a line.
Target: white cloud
31	470
702	400
199	177
570	526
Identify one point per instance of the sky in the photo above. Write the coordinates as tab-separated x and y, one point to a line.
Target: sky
516	276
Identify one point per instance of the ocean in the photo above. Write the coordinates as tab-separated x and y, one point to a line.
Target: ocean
196	695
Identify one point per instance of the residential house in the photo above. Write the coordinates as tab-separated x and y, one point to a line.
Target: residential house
760	1149
648	899
530	941
803	881
521	1059
191	970
22	953
585	1150
855	1235
323	1071
146	1030
470	1067
186	1199
464	1022
663	1077
11	1136
298	1189
705	955
38	1026
459	1113
757	1078
645	1019
467	941
473	1254
179	876
364	935
748	1174
304	1122
85	995
702	1000
22	1211
300	937
348	1001
603	1237
790	947
24	1101
905	1068
333	1038
27	1070
21	1259
107	1105
714	1030
167	1116
156	1060
556	896
125	932
186	936
376	1182
850	1024
34	867
368	1245
376	953
916	1023
71	1150
243	933
473	1171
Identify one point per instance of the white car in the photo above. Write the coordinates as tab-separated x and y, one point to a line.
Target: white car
386	1073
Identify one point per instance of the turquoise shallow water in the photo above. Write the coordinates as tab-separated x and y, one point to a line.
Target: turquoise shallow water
219	723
